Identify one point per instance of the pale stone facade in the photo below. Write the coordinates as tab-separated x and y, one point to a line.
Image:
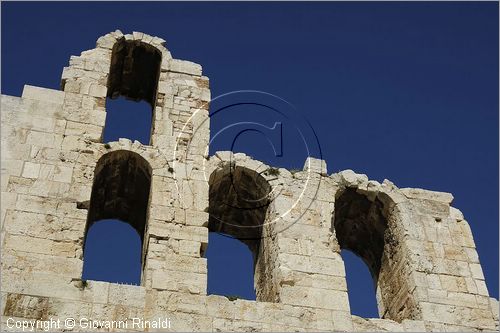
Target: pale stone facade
418	247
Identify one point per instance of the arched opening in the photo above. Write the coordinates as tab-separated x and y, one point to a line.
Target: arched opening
112	253
238	203
125	119
227	255
360	226
134	73
362	298
120	191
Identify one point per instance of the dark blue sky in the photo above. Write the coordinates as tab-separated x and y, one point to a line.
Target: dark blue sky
404	91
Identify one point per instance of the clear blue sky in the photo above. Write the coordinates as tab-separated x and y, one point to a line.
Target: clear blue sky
404	91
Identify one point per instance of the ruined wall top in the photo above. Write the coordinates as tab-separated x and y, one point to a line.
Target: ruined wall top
59	177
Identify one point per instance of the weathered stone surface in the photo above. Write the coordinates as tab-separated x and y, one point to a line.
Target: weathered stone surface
57	178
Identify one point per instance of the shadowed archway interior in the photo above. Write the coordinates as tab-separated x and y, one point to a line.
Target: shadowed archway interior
133	75
360	226
238	202
134	72
120	191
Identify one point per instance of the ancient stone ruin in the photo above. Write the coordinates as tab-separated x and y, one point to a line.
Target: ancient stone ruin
58	178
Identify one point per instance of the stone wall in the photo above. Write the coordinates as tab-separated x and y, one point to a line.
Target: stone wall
418	247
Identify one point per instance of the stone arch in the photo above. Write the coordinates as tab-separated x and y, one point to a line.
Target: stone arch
238	202
370	220
108	40
360	226
120	190
121	65
134	74
134	71
241	206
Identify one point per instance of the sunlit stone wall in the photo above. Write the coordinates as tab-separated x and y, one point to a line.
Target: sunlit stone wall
418	247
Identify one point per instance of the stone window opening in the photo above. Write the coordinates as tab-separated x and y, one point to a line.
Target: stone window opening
134	74
362	294
238	205
229	257
120	191
360	226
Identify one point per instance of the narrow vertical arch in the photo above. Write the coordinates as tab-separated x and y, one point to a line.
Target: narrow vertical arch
120	191
134	74
238	201
360	225
370	226
238	205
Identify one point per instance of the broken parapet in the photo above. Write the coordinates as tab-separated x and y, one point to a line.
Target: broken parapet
418	248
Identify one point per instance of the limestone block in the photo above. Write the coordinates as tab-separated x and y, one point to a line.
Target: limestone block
196	218
413	325
63	309
456	214
220	307
187	67
494	308
173	280
113	312
158	41
315	165
316	298
12	167
205	96
185	264
36	204
63	173
306	264
225	156
349	178
177	231
31	170
98	90
106	41
184	322
17	261
451	315
162	213
181	302
248	310
481	288
26	306
436	209
189	248
50	140
43	94
417	193
41	246
88	131
477	271
127	295
41	284
289	228
386	325
320	281
342	321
